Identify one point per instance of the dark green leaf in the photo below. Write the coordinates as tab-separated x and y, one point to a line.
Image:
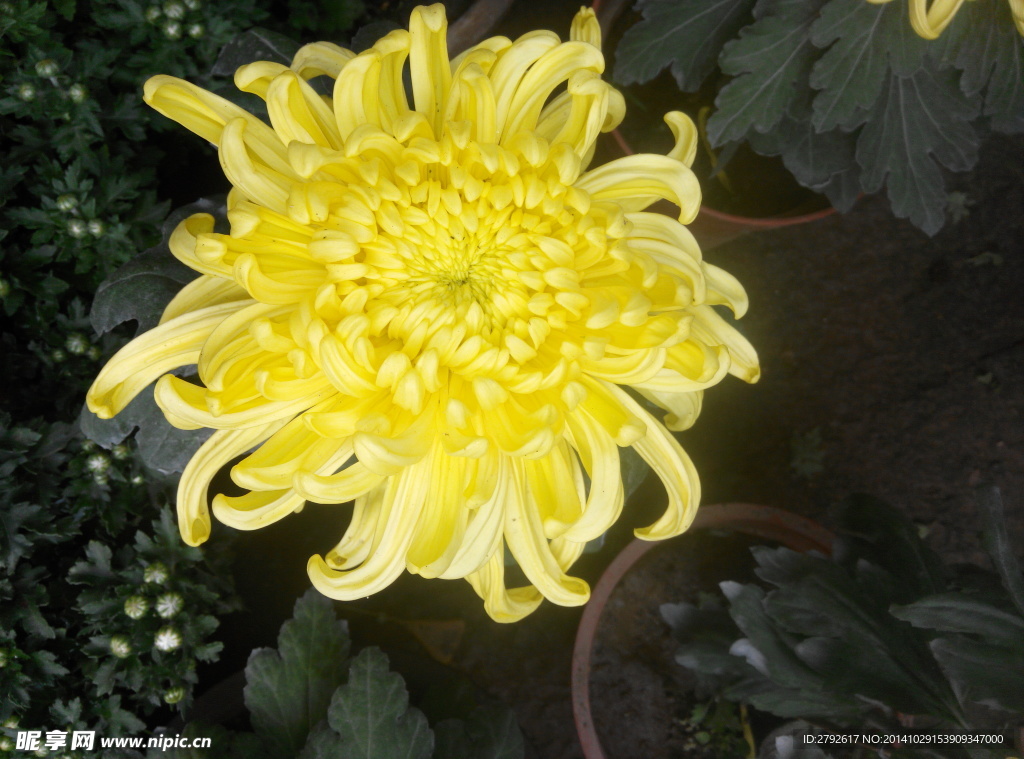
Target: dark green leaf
46	661
997	542
822	161
372	717
684	34
872	529
162	447
864	40
256	44
856	637
15	542
771	62
789	703
981	672
141	289
983	42
956	612
861	668
919	122
746	605
287	691
66	8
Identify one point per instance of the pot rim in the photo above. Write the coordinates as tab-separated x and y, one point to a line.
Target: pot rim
752	222
768	522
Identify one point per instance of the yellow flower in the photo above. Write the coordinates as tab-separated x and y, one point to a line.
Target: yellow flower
433	309
930	17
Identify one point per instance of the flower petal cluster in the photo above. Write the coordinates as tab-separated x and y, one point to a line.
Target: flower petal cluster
427	305
931	17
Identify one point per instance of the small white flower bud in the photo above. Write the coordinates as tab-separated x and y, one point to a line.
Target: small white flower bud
11	723
26	92
97	463
174	10
120	646
6	744
47	67
136	607
192	5
121	451
88	445
66	203
77	229
138	480
174	695
76	344
101	479
172	30
169	604
78	93
96	228
167	639
95	353
156	573
195	31
153	14
58	356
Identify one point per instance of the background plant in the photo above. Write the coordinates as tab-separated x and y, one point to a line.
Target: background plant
879	630
843	90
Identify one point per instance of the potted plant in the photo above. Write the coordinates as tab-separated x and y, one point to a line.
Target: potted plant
622	614
853	95
880	639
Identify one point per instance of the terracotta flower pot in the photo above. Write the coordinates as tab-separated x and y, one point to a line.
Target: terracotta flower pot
764	522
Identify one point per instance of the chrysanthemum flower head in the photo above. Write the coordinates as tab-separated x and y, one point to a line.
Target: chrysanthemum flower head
430	307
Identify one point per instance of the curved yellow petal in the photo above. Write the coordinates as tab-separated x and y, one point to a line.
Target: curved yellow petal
428	62
321	59
711	328
525	537
212	456
636	181
396	529
171	345
501	604
930	21
204	291
669	461
600	457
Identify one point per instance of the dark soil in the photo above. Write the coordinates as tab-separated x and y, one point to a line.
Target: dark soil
640	699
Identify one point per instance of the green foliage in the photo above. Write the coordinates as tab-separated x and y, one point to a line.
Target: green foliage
850	641
78	198
69	567
687	36
307	699
370	717
843	90
289	689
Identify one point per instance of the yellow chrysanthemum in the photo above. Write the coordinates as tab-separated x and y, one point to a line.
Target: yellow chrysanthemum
930	17
433	310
